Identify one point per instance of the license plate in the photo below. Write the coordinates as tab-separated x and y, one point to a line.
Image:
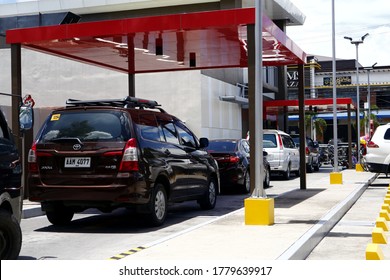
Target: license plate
77	162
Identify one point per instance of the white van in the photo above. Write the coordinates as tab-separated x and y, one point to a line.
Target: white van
283	155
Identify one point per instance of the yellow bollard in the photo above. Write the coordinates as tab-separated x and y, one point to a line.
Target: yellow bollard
336	178
359	167
386	207
382	223
384	214
378	236
374	252
259	211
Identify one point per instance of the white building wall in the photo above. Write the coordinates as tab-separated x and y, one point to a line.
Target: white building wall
220	119
189	95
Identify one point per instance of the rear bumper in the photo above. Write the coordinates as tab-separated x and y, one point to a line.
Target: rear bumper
377	167
92	196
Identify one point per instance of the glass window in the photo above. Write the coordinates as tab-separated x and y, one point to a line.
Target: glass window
87	126
185	135
222	146
169	132
148	126
387	134
269	141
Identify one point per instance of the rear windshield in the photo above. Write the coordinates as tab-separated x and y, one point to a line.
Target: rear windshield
87	126
222	146
269	141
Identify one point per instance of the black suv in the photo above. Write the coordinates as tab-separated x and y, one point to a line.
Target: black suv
113	153
11	187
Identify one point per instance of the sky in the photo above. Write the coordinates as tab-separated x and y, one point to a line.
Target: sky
353	18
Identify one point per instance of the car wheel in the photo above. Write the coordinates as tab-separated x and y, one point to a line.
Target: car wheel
10	236
209	198
158	207
267	178
287	173
59	215
246	188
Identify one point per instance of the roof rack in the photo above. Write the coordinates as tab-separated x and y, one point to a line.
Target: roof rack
127	102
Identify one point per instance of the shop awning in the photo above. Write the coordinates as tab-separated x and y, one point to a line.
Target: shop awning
202	40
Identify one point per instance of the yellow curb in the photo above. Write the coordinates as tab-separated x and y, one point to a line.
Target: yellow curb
378	236
384	214
386	207
374	252
382	223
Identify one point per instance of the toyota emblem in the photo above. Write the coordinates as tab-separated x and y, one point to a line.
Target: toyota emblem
76	147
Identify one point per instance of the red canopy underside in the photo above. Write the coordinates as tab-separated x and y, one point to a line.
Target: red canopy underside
322	105
215	39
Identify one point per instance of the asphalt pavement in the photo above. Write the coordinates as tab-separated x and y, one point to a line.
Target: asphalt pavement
323	222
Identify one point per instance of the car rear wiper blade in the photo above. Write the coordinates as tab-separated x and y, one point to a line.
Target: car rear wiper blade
66	140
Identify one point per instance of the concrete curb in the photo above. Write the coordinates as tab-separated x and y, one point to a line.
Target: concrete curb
305	244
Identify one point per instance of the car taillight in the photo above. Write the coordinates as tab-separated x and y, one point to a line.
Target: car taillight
371	144
280	142
234	159
307	151
32	159
130	157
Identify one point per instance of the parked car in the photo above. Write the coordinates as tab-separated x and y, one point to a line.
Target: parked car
113	153
233	157
11	198
283	155
312	152
377	157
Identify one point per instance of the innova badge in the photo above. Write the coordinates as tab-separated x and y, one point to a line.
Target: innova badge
77	147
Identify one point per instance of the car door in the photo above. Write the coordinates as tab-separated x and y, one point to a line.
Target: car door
197	168
10	165
291	151
177	160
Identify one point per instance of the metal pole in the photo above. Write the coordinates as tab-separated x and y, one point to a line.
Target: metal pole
368	103
259	189
356	43
357	102
335	148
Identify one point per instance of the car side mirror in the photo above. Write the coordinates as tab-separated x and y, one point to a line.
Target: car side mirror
265	153
26	118
203	142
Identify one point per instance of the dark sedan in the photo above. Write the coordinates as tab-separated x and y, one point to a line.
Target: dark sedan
233	159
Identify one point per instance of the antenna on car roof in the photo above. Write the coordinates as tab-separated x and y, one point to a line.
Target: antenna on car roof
127	102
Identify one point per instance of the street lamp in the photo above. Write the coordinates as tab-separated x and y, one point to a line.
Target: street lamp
357	43
369	98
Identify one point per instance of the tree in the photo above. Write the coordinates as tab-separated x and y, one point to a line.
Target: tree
319	125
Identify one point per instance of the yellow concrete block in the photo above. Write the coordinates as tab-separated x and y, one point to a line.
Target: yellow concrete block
359	167
336	178
386	207
387	200
374	252
384	214
378	236
259	211
382	223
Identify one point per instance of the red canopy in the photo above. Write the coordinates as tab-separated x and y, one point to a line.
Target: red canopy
213	39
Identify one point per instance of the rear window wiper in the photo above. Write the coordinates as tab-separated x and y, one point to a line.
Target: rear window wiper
71	140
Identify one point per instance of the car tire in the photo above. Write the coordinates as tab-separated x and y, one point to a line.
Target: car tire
59	215
158	206
267	178
10	236
209	198
287	173
246	188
